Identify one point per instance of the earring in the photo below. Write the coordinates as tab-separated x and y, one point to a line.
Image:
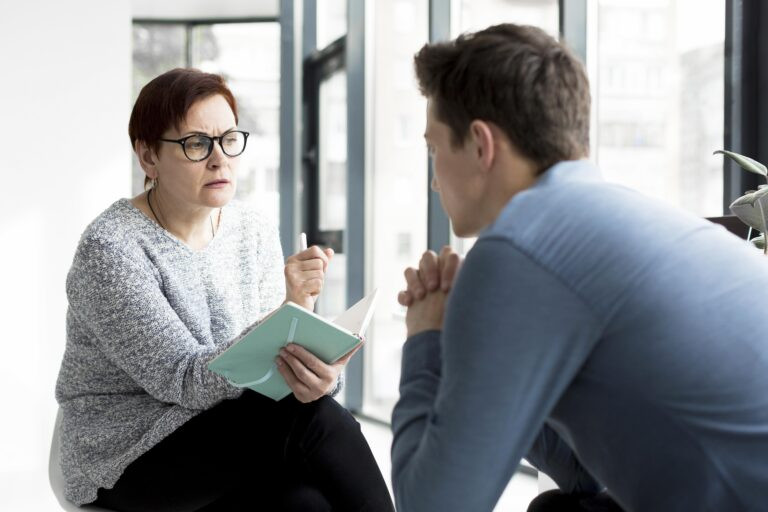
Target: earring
154	182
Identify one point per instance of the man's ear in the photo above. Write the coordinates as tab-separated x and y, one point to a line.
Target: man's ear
484	144
147	158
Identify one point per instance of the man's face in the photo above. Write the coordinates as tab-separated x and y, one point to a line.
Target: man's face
456	177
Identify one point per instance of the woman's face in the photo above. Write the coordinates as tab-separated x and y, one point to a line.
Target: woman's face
210	182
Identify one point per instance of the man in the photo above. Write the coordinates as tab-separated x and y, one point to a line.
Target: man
615	342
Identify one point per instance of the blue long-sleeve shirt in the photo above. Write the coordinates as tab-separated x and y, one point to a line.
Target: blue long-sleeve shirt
614	341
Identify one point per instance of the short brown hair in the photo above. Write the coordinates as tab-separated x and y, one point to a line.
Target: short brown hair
517	77
166	99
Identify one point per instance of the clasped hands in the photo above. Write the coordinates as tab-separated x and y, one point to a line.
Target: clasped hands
427	289
308	376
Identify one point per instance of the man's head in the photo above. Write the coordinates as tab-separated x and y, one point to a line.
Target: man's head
512	102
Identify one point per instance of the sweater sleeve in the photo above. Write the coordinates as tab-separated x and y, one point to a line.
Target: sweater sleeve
121	301
474	398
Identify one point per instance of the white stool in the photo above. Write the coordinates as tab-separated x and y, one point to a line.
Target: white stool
57	479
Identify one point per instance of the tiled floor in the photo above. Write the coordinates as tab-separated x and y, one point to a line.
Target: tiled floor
519	493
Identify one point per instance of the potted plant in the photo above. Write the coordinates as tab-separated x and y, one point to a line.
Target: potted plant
752	207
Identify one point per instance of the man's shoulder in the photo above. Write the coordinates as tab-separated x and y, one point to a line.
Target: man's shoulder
590	214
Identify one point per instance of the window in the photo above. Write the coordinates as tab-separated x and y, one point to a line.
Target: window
247	55
331	21
658	91
398	205
476	15
332	184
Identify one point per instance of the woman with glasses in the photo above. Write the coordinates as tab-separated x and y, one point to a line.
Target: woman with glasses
159	286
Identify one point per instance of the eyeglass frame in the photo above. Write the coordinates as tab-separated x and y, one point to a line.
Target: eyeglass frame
182	141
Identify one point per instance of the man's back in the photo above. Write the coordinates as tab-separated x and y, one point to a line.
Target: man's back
673	394
630	329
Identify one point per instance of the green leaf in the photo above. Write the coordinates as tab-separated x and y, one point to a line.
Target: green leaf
752	209
745	162
759	241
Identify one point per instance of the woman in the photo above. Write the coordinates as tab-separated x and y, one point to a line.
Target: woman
160	285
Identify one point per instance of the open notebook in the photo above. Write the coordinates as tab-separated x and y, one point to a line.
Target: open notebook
250	361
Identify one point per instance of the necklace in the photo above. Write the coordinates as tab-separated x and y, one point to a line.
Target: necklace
149	203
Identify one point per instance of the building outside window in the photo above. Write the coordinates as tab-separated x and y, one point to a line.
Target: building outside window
658	93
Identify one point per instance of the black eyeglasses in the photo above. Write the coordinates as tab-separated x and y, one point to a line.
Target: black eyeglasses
200	147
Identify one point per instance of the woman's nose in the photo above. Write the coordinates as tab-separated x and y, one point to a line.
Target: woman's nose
217	156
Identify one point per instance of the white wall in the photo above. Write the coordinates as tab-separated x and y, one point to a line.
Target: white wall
65	75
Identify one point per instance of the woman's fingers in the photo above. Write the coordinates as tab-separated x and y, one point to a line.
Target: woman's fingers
308	361
344	360
305	274
304	374
299	389
310	253
308	265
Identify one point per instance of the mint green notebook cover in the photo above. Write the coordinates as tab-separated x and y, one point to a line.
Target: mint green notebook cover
250	362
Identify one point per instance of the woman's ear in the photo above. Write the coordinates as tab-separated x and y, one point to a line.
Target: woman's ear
147	158
483	139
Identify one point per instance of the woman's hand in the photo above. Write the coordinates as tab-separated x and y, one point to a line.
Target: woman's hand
309	377
305	274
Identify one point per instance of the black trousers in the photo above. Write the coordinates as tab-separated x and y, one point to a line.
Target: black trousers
255	454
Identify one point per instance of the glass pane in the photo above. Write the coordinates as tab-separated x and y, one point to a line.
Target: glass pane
333	152
157	48
332	167
247	55
331	21
398	206
659	101
479	14
476	15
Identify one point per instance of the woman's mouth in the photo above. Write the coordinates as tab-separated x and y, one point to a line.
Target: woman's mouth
217	184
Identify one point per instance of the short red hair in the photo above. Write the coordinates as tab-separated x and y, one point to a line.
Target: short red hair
166	99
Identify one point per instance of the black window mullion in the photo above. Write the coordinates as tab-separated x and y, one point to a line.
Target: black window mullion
745	50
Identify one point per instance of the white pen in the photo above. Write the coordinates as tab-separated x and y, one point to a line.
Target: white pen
302	242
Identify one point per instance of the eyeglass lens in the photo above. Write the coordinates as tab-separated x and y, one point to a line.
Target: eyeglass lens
198	147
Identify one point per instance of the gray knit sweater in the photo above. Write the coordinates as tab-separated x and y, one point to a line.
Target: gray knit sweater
146	314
